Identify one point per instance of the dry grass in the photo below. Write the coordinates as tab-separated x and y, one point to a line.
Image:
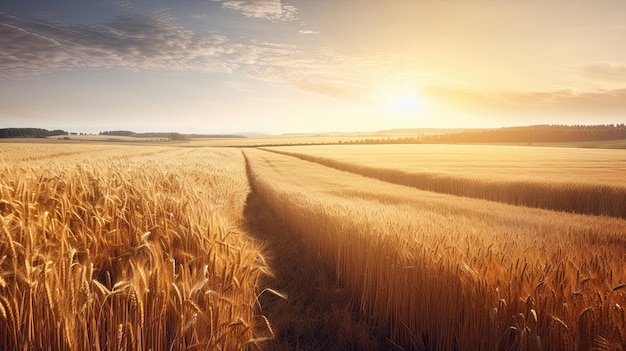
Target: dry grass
438	272
565	179
126	248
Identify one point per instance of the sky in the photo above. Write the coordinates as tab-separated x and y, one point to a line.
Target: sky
294	66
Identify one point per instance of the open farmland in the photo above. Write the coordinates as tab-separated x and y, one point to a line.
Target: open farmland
439	272
577	180
159	247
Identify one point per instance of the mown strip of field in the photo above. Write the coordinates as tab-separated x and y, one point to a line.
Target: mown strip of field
439	272
571	180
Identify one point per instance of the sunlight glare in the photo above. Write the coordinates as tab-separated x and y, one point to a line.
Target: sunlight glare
405	105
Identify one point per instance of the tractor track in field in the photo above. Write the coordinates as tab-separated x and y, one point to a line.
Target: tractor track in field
316	315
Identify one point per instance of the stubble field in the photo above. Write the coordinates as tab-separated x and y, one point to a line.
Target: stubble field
415	247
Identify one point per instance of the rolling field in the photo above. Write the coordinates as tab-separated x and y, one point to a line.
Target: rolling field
154	247
439	272
588	181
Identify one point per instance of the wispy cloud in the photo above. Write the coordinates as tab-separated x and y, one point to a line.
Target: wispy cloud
273	10
24	53
29	48
605	71
566	102
126	4
155	43
307	31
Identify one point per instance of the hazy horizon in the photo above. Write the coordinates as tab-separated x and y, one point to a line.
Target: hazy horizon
275	67
239	133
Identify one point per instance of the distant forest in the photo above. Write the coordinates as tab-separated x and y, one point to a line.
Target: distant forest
29	133
43	133
528	134
171	135
127	133
536	133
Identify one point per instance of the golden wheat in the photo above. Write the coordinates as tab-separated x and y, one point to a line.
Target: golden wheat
433	271
565	179
126	248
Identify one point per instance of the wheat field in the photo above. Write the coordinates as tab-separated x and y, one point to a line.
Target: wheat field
115	247
589	181
439	272
125	248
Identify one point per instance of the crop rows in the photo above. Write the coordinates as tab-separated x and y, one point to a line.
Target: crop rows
439	272
570	180
144	247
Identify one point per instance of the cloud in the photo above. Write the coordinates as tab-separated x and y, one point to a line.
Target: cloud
273	10
324	71
126	4
605	71
157	43
29	48
142	43
306	31
22	52
564	102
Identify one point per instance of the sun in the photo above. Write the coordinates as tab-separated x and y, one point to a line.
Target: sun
405	105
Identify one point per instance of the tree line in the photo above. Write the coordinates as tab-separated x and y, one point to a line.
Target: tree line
30	132
168	135
535	133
